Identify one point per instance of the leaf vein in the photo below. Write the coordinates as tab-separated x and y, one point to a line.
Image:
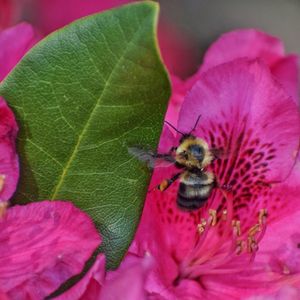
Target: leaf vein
85	127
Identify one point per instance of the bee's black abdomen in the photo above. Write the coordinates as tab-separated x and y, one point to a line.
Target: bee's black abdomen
192	197
190	204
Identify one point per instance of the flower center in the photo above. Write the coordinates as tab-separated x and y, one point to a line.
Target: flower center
220	245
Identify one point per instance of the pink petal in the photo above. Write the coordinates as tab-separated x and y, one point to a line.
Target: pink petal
179	52
9	164
127	283
248	43
14	43
285	293
286	71
251	43
9	10
178	92
89	287
165	232
42	245
3	296
55	14
279	249
248	115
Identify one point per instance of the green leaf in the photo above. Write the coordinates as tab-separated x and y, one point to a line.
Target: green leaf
82	96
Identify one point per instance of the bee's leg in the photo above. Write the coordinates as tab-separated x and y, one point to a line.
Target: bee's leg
166	155
172	150
166	183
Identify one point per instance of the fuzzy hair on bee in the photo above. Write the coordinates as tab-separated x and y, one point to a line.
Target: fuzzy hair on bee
192	156
193	152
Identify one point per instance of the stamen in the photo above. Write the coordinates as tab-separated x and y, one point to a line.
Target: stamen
239	247
213	214
224	215
252	246
201	226
262	219
220	241
262	216
237	227
254	230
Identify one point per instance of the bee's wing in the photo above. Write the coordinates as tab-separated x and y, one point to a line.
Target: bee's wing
151	158
219	153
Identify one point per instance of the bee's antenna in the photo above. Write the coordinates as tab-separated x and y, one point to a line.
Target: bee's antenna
195	126
174	128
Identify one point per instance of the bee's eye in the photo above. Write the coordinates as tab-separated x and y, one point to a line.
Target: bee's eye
197	152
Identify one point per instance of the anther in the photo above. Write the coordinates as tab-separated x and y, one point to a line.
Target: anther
239	247
252	245
224	215
2	180
213	214
254	230
201	227
237	227
262	216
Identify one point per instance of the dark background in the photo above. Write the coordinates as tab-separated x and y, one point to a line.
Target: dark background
204	20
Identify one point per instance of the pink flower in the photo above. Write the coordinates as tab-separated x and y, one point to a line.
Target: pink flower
42	245
14	43
126	283
243	242
252	43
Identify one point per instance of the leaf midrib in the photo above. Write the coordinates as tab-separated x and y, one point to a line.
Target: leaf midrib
85	127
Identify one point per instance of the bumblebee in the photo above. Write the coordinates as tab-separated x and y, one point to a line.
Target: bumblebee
192	156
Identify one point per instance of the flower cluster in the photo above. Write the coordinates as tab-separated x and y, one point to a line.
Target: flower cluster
243	244
244	241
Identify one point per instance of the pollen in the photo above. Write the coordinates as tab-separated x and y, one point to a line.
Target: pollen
224	215
201	226
240	245
213	216
252	245
237	227
256	232
262	216
222	239
2	181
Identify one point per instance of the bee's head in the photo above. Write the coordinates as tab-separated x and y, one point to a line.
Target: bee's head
193	152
